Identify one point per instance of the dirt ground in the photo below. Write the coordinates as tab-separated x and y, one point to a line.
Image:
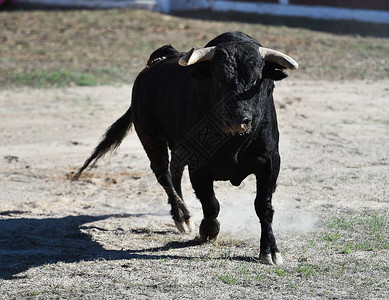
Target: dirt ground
109	235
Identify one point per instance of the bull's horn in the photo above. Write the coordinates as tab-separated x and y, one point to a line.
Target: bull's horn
278	58
194	56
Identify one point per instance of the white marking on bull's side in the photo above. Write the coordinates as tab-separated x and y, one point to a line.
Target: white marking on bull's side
156	59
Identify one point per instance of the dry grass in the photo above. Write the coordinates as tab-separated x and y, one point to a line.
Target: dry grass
82	47
107	260
110	236
62	240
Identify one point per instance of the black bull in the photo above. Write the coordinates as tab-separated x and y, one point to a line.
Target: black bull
214	109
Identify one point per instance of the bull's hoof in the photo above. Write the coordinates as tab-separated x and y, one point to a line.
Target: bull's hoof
181	226
277	258
185	226
191	225
271	259
209	230
266	258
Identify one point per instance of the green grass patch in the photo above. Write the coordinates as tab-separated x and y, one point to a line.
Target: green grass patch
377	223
225	254
60	48
331	237
305	270
66	77
340	223
363	246
57	78
349	233
226	278
280	272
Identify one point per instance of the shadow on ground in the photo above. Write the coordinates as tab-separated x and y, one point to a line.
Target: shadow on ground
28	242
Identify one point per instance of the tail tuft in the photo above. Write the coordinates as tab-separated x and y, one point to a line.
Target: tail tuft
110	141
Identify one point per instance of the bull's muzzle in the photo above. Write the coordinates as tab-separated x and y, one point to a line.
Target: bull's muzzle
241	128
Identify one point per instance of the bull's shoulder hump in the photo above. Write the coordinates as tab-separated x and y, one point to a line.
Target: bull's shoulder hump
160	54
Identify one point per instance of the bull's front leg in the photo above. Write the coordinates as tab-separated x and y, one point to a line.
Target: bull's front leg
269	253
266	183
202	184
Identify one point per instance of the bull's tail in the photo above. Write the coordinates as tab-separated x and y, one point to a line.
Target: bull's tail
110	140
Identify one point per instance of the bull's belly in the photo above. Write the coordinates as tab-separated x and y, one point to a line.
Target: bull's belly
236	171
224	170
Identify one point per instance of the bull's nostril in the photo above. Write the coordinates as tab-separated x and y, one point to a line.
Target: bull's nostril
245	123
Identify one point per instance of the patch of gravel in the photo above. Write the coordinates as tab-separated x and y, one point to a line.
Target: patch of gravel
110	235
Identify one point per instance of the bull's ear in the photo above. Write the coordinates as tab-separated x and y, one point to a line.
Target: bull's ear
275	63
273	71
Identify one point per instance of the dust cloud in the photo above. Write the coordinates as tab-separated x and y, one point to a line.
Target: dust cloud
238	218
237	215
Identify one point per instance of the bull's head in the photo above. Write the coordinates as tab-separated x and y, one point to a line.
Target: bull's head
236	73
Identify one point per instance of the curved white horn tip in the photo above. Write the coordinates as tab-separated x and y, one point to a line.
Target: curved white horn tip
294	64
278	57
184	60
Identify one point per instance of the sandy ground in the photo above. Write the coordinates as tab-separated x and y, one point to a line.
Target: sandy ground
110	233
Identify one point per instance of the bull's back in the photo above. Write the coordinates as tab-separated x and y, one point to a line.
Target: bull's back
164	100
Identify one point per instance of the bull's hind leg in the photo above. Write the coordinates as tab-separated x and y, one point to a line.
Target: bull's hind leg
266	182
203	186
159	158
176	171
